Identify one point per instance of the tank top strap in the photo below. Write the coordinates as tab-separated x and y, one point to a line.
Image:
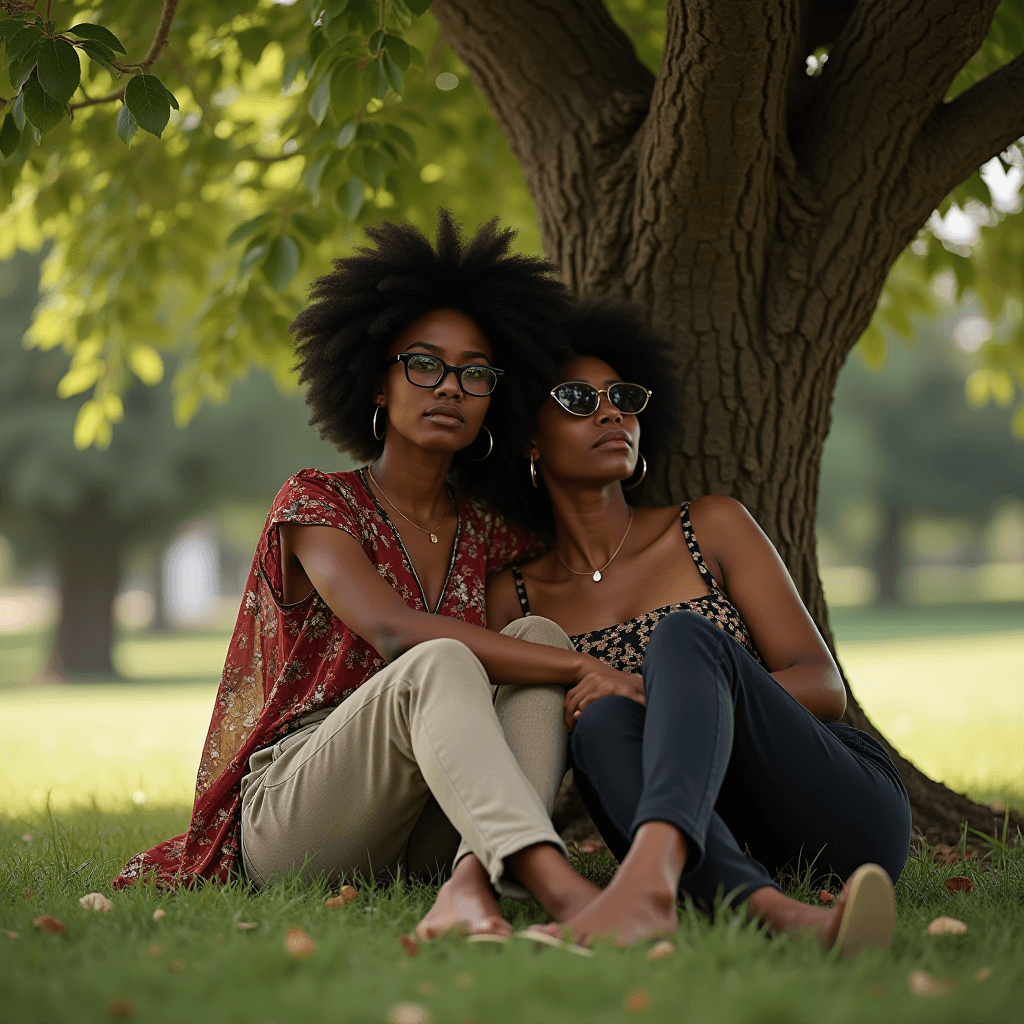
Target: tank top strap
524	601
691	542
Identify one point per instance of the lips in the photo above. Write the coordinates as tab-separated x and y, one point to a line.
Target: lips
614	440
445	416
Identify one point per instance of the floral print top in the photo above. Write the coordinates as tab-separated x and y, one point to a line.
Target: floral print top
287	660
623	645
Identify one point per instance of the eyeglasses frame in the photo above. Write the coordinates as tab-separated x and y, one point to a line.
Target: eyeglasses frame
446	368
600	392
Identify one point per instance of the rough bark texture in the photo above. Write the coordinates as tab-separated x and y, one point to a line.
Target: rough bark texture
754	212
89	563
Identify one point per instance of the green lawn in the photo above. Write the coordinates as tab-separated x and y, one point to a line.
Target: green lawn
195	964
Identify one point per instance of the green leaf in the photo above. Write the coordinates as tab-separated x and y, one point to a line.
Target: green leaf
18	112
377	41
250	227
102	55
254	253
394	73
401	12
401	138
171	98
375	80
312	229
59	69
43	111
85	30
373	165
418	7
22	54
146	98
872	347
10	136
9	27
398	49
320	100
311	177
126	126
352	195
282	262
345	87
346	135
369	132
252	42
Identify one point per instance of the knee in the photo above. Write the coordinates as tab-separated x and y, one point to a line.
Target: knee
683	630
538	630
599	723
443	659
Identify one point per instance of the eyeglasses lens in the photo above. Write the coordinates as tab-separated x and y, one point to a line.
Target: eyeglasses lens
478	380
628	398
578	398
426	372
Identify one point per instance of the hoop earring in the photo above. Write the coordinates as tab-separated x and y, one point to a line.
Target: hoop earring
533	472
639	480
379	437
490	446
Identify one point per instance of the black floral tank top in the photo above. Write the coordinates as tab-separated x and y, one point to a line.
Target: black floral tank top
622	646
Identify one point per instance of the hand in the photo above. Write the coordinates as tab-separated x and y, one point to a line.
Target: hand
601	682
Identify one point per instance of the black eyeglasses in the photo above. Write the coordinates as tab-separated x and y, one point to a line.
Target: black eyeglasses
583	399
425	371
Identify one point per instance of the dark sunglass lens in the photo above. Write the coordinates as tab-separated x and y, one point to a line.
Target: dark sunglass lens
478	380
628	398
423	370
579	398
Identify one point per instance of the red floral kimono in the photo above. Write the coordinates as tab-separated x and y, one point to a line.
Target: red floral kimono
285	661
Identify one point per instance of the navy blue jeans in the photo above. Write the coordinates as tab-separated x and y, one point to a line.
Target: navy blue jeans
752	779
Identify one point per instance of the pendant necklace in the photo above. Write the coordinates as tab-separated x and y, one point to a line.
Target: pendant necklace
595	574
430	533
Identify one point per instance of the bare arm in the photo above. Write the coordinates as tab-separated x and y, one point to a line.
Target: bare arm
502	601
349	583
759	585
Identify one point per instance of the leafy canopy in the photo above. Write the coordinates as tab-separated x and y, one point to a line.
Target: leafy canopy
282	131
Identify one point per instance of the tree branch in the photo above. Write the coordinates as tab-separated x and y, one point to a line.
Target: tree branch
962	135
568	91
163	30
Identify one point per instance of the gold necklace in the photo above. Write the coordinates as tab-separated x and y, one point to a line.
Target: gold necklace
597	572
430	533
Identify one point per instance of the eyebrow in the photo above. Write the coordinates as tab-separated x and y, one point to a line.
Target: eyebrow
437	348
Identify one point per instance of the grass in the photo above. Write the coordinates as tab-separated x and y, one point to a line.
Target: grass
195	965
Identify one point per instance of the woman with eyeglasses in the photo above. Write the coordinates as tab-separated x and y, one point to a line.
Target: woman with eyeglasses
717	759
355	730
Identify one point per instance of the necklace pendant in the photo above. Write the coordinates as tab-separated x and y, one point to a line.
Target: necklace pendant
597	576
433	538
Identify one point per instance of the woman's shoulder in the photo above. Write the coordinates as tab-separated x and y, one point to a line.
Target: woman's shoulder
346	485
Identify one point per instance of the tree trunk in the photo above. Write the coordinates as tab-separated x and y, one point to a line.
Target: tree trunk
90	548
756	232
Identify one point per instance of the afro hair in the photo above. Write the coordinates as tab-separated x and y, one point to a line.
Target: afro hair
358	310
617	333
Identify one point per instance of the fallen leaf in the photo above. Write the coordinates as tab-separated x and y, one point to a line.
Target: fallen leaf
247	926
464	980
426	988
10	936
637	1001
49	924
176	967
876	990
997	805
959	884
299	944
923	984
159	914
28	893
154	949
410	945
95	901
27	837
826	897
984	974
660	950
409	1013
348	893
122	1009
947	926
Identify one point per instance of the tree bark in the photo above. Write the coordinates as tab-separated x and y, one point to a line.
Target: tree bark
758	235
89	555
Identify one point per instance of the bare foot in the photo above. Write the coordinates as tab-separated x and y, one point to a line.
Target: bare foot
465	904
544	872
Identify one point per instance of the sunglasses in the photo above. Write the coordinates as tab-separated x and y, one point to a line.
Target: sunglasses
583	399
424	371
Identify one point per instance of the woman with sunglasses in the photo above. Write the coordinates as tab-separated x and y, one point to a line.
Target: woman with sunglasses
354	730
723	763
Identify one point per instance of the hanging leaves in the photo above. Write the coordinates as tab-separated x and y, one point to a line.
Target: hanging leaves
149	103
99	34
59	69
42	110
126	126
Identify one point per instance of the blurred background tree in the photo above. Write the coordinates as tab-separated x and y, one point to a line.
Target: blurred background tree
748	174
86	512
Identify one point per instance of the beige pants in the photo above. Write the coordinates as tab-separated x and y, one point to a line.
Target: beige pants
423	752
